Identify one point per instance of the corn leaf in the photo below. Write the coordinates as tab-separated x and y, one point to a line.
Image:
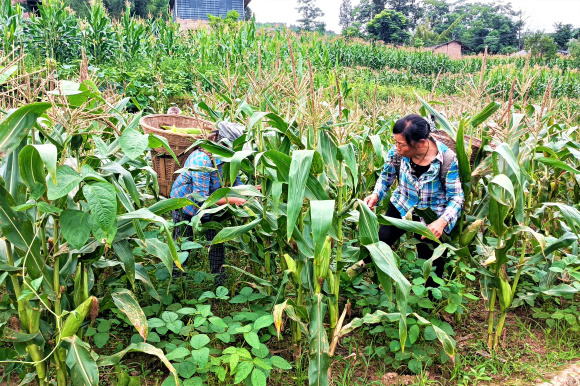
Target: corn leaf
16	126
84	370
297	177
127	303
319	357
321	214
409	226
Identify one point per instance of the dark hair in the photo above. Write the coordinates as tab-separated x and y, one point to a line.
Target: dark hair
413	127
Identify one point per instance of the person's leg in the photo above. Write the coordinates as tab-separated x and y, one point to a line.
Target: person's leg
217	258
178	216
389	234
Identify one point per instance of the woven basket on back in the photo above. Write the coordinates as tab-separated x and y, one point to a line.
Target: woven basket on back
163	163
450	143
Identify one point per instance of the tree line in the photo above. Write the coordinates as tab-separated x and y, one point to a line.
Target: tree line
424	23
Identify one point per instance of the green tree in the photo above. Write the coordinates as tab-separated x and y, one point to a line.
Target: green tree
492	41
158	7
390	27
541	45
562	35
310	13
574	49
411	9
345	16
218	23
248	13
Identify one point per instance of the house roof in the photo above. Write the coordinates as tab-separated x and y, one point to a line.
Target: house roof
246	2
446	43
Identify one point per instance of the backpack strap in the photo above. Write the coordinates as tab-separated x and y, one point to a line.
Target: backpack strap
448	157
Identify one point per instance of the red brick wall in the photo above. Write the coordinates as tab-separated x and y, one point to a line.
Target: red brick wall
452	49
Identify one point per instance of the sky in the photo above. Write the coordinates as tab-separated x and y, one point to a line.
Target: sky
542	14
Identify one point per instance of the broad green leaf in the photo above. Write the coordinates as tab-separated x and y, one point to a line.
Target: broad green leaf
126	302
263	321
160	250
133	143
102	200
504	151
7	73
497	188
66	180
297	176
463	160
142	275
443	122
138	347
178	353
252	339
321	214
169	204
16	126
446	341
17	228
201	356
384	259
236	162
283	162
199	341
123	251
374	318
13	180
368	226
75	227
31	166
561	290
280	363
231	233
348	153
83	367
409	226
127	177
480	118
558	164
156	141
243	370
258	378
318	342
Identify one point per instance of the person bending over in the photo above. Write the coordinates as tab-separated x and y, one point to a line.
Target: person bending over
428	176
204	184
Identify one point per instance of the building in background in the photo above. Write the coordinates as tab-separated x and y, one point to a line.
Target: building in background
184	10
452	48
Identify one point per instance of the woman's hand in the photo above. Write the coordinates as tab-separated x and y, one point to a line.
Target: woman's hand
372	201
437	227
236	201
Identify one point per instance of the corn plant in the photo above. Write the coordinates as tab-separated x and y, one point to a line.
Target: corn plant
69	200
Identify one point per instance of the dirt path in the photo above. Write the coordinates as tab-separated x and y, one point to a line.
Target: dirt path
566	376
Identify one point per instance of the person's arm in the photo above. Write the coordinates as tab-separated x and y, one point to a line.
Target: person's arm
387	177
454	196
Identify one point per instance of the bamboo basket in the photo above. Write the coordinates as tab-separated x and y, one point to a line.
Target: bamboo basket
163	163
442	136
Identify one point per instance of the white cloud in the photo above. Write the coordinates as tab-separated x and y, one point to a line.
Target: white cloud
542	13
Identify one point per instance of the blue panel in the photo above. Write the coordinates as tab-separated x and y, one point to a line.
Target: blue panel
198	9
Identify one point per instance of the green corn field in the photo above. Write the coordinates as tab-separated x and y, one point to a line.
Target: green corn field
95	290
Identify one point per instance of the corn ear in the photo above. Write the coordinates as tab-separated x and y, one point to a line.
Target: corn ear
470	232
76	318
322	261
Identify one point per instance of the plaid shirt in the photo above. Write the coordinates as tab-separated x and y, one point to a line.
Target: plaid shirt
202	183
425	192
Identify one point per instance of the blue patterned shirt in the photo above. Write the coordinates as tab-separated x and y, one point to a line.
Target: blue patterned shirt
202	183
426	191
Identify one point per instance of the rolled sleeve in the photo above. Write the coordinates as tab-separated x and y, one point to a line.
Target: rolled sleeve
454	196
387	177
